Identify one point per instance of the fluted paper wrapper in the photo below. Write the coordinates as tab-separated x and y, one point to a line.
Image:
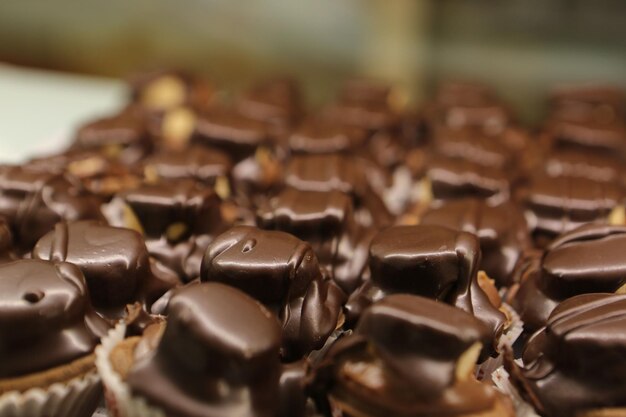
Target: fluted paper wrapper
117	395
76	398
500	378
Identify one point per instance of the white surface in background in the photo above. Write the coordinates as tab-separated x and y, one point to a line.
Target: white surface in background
40	109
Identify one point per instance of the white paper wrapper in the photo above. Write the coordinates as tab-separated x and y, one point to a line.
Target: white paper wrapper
117	395
76	398
500	378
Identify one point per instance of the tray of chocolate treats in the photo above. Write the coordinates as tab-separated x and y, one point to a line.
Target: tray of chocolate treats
200	254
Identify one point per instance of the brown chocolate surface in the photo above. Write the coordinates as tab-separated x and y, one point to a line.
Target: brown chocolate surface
577	362
113	260
33	202
401	361
501	229
46	319
430	261
283	273
586	260
218	356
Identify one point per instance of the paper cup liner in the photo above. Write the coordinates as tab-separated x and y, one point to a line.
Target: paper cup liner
78	397
119	400
500	378
513	332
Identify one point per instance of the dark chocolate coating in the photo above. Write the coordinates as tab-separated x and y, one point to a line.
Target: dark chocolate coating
192	207
319	137
46	319
276	102
113	260
123	136
336	172
577	362
283	273
558	205
473	146
372	117
580	164
231	132
6	241
196	162
401	361
430	261
591	136
365	92
458	178
33	202
218	357
587	260
501	229
325	220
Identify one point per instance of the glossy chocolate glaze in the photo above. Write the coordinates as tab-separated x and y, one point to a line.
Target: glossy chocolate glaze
402	361
473	146
592	135
46	319
430	261
113	260
33	202
218	357
122	136
501	229
325	220
6	241
196	162
320	137
179	219
577	362
452	179
283	273
336	172
586	260
581	164
558	205
276	102
230	132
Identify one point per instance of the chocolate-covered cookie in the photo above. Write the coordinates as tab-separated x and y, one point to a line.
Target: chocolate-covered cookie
178	220
459	178
218	356
430	261
409	356
575	365
283	273
33	202
586	260
123	136
321	137
558	205
114	261
325	219
501	230
46	318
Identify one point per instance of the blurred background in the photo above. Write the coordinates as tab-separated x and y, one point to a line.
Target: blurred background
520	47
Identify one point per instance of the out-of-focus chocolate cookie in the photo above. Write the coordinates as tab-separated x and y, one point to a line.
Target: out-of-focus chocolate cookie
33	202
